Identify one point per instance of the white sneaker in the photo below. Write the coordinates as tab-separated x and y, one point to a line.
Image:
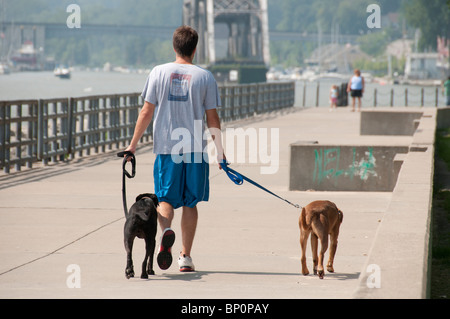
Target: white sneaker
186	264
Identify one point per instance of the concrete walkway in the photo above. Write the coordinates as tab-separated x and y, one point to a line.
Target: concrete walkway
247	242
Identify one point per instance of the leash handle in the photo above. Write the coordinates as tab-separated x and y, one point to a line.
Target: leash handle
127	155
233	175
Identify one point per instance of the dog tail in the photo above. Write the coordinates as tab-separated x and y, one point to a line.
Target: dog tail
306	219
340	216
302	219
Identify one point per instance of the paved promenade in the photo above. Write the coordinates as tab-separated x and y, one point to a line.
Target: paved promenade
247	242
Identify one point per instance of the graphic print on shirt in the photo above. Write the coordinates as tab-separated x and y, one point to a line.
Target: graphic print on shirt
179	87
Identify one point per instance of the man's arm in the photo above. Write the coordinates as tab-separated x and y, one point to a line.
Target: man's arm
213	123
143	121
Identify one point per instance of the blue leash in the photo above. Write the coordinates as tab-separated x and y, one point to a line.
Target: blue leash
238	179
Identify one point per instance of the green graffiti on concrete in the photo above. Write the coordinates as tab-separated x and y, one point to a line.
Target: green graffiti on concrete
328	161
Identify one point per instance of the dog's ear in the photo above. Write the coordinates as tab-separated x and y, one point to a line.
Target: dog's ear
154	199
139	197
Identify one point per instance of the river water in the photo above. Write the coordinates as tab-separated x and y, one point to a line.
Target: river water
44	85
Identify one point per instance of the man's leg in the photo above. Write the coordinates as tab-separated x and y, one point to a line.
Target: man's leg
196	190
188	227
165	215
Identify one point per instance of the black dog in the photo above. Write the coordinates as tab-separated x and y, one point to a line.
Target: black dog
141	222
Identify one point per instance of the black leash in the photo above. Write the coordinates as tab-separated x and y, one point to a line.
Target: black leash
238	179
127	155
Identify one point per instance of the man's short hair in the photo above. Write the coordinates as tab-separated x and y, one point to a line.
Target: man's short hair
185	40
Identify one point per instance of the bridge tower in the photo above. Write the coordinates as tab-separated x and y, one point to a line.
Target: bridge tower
246	25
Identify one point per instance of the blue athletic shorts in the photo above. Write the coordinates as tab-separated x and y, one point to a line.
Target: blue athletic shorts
181	180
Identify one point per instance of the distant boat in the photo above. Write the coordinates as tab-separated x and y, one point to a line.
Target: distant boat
26	58
62	72
4	69
328	76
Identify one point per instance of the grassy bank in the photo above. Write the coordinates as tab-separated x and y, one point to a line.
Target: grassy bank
440	268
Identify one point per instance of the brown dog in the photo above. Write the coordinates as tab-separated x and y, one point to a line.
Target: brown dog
320	217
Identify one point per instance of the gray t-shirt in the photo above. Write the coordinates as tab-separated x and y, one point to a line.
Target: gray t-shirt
181	93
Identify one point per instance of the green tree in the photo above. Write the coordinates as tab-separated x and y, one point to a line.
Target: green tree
374	43
287	53
432	17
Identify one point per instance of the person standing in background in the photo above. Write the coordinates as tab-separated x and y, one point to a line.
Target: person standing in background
446	91
333	97
356	88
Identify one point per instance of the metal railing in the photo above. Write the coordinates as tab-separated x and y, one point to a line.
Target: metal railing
310	94
54	130
407	97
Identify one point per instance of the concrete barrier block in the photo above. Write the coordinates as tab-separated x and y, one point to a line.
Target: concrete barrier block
398	162
390	122
343	167
425	133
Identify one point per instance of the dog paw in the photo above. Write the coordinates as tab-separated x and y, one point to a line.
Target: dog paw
330	269
129	273
321	273
144	276
305	272
151	272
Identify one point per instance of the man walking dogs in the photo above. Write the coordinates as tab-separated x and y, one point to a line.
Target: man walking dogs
177	96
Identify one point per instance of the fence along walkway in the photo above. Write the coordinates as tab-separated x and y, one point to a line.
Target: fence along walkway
54	130
317	94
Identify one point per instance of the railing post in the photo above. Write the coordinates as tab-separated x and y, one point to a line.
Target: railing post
64	128
257	98
375	97
7	137
304	93
317	94
392	97
231	101
70	126
40	133
19	137
421	97
437	97
2	135
32	135
406	96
